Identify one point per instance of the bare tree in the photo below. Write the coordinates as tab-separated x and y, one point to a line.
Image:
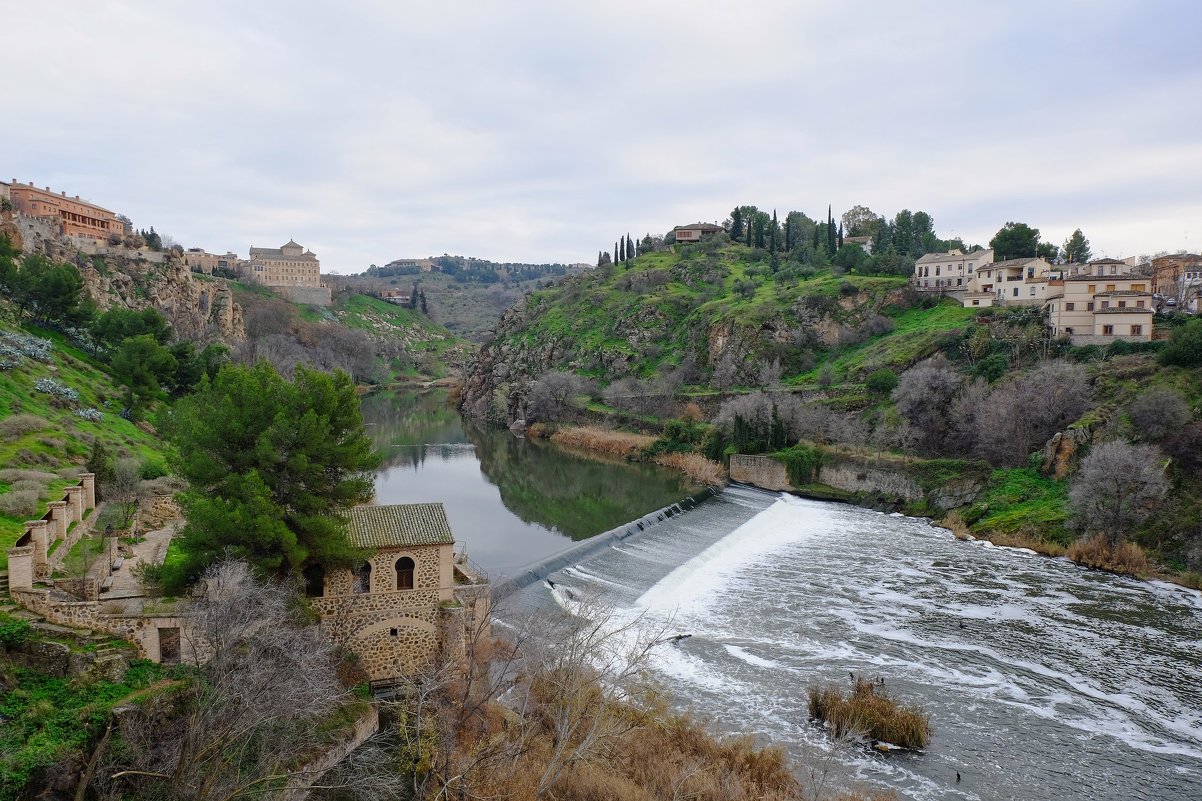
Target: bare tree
1116	488
924	396
249	720
125	488
1158	413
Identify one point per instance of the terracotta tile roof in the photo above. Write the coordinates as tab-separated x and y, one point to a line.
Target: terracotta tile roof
400	525
1127	310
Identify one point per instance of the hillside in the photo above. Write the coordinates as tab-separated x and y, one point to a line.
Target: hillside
1090	450
464	304
55	401
717	310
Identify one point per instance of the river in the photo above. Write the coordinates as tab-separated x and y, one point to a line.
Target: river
1043	680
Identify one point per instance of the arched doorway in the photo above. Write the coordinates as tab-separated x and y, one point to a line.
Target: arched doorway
404	573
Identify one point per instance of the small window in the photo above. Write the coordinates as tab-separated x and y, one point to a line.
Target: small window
362	580
1089	306
1105	304
976	303
1069	306
1137	330
1108	330
1016	292
404	573
1122	304
1093	288
1110	287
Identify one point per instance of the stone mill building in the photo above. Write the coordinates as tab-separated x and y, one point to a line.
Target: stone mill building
414	599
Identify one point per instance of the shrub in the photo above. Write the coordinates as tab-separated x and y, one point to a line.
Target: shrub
801	464
153	468
1184	348
19	503
883	381
1158	413
13	632
1126	558
90	414
52	387
26	485
869	711
992	367
12	475
19	425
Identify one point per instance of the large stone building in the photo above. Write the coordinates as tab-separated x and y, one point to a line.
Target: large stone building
1098	305
201	261
77	217
413	600
288	265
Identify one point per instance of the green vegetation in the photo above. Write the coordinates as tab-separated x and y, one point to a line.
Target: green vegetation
271	465
48	718
1024	502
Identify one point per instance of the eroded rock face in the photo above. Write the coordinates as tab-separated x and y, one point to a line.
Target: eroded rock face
1061	453
200	311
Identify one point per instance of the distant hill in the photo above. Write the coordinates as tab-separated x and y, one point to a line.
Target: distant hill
471	270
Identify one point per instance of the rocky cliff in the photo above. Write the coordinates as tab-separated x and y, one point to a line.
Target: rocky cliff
199	308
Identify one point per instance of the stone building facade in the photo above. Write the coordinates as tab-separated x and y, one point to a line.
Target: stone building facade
288	265
413	600
78	218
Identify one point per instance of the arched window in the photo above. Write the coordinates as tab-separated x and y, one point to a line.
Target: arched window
362	582
315	581
404	573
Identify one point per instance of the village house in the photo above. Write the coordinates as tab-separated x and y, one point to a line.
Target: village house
953	271
77	217
421	265
413	600
1098	304
864	242
695	232
1178	276
1016	282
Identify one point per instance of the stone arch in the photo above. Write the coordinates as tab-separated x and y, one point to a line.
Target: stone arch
404	573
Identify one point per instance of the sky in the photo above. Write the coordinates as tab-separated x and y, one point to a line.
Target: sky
370	130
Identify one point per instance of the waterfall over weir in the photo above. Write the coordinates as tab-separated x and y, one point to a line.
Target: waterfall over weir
583	550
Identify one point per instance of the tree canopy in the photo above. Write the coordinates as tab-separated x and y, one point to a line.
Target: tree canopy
48	292
1015	240
1076	248
273	465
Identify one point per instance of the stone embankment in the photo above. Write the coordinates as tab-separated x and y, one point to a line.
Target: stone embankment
864	480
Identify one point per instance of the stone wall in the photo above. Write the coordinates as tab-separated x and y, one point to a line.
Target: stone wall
305	295
761	471
854	475
65	522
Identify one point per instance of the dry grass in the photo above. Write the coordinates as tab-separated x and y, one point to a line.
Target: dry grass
18	425
1128	558
1020	539
13	474
19	503
538	431
615	443
869	711
695	466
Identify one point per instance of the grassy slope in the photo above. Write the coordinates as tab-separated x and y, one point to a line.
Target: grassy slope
597	313
66	442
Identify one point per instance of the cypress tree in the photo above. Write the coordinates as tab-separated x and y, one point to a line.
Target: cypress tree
736	224
775	225
840	234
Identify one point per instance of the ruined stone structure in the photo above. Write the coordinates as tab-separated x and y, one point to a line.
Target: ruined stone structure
413	600
31	559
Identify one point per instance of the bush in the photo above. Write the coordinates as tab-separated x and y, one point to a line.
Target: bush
1184	348
993	367
1158	413
802	464
19	503
13	632
52	387
883	381
90	414
1126	558
12	475
153	468
868	711
19	425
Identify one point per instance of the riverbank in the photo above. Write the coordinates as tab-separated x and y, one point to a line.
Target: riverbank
633	447
936	490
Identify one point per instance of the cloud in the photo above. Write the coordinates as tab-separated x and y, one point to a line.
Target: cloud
540	131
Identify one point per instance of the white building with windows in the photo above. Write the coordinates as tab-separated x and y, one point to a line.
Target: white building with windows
953	271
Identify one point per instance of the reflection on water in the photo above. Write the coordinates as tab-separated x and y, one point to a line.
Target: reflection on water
512	500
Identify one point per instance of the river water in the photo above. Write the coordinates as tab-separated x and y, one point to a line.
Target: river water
1043	680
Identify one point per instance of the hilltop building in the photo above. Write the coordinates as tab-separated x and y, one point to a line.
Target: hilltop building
77	217
421	265
413	600
695	232
865	242
291	270
201	261
953	271
1099	308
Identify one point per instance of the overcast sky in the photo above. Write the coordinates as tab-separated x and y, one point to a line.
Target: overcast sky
370	130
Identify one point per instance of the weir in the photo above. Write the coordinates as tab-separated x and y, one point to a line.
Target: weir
545	567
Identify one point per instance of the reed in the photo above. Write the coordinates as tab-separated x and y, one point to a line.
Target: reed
1127	558
695	466
868	711
604	440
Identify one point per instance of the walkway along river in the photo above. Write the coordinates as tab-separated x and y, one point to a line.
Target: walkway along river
1044	680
